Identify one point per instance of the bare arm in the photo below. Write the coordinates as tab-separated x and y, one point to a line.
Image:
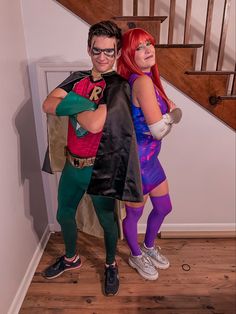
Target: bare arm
144	96
53	99
172	104
93	121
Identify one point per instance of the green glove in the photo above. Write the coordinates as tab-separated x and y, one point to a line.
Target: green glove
73	104
79	131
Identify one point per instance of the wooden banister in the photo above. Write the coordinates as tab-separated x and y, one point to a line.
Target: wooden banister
171	21
207	34
151	7
228	97
178	45
141	18
135	7
233	88
187	21
120	7
223	34
233	91
210	72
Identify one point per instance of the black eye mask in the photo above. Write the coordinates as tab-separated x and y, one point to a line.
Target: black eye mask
109	52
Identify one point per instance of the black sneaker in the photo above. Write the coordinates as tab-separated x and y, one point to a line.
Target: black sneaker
111	283
60	266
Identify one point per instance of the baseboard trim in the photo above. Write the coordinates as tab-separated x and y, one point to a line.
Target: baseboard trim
226	230
196	234
54	227
25	283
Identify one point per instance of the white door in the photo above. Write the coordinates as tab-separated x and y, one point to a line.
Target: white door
48	76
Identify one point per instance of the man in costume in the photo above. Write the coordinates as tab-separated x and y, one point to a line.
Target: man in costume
101	152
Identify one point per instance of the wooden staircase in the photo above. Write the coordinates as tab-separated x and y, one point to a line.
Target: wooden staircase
215	90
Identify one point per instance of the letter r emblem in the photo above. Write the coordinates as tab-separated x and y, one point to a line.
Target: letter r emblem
95	93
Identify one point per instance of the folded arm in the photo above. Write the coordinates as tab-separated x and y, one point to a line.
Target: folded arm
93	121
53	99
145	97
89	116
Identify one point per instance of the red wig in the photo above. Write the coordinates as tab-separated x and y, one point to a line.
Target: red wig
126	64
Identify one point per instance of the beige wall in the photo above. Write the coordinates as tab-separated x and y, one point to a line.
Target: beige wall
23	216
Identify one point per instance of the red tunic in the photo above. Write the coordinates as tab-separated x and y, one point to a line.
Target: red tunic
87	145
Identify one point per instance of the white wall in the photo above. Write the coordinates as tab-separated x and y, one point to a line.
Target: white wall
56	35
23	215
199	159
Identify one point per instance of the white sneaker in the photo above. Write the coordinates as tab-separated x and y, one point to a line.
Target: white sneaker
159	260
144	266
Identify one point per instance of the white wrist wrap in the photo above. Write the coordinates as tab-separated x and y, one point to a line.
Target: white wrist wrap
159	129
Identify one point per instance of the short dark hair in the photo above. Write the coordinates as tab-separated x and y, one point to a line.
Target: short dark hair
105	28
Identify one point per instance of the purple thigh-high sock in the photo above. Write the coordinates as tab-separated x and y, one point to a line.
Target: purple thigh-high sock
130	224
161	207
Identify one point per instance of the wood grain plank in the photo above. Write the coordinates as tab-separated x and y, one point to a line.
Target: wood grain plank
207	288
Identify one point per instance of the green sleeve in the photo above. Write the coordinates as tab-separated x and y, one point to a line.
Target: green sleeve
73	104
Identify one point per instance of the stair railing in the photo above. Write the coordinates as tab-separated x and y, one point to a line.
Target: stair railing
213	99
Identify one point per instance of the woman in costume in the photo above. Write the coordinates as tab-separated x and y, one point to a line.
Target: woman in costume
153	116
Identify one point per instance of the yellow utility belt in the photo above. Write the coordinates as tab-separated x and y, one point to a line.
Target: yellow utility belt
79	162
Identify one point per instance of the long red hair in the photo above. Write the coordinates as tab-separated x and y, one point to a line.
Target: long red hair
126	64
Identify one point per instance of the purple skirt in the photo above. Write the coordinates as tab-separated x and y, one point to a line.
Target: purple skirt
152	172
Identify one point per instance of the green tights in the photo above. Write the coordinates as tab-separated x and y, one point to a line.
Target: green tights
73	184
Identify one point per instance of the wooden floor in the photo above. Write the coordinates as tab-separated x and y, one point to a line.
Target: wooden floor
208	287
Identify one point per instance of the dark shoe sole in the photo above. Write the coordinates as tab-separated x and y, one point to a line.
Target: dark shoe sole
73	268
109	294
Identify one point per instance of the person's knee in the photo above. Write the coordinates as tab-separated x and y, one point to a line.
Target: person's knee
108	223
65	217
134	213
60	218
162	204
105	210
166	209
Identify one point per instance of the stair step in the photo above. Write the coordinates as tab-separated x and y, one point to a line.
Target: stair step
178	45
151	24
141	18
227	97
210	72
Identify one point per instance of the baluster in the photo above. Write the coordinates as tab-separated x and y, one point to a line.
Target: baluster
135	7
121	7
233	89
187	21
151	7
223	34
207	34
171	21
